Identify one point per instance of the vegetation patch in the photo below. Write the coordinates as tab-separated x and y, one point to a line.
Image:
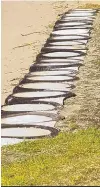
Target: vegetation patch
89	5
68	159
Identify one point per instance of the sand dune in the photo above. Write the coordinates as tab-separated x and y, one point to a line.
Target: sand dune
25	28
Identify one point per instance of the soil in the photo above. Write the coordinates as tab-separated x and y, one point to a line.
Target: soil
83	110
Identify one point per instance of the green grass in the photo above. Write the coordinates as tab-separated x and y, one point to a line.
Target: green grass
68	159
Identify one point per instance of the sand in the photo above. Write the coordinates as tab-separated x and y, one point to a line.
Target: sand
25	28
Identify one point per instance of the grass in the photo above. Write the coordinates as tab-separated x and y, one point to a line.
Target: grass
68	159
90	5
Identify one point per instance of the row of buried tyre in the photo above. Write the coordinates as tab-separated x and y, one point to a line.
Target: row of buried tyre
32	110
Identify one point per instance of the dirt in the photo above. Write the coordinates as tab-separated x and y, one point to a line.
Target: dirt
83	110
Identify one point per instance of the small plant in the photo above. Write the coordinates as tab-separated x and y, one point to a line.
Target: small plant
90	5
51	25
73	126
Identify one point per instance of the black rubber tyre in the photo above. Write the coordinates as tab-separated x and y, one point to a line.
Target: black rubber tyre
17	100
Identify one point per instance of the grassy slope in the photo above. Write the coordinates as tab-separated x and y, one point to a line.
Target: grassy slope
68	159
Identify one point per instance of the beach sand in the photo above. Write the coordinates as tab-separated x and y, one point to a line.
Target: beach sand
25	26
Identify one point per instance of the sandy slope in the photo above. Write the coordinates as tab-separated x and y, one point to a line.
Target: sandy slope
25	28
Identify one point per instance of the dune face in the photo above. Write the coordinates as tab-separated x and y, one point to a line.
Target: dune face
24	31
25	26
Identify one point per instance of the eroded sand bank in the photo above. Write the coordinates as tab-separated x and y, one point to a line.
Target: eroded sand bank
25	28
